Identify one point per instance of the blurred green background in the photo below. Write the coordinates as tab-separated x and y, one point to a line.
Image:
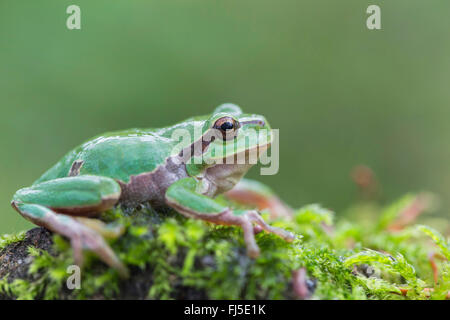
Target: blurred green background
340	94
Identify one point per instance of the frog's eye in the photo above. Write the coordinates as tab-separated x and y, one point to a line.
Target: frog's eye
227	127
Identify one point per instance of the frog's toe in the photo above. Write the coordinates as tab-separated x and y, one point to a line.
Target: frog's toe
87	239
259	221
250	222
249	238
257	229
253	252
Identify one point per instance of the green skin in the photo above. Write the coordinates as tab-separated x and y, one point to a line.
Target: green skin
137	166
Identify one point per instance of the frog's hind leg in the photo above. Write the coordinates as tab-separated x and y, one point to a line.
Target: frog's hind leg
255	194
58	204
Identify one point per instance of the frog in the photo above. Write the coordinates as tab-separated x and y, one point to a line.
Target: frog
154	167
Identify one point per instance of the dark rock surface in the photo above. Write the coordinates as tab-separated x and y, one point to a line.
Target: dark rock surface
15	260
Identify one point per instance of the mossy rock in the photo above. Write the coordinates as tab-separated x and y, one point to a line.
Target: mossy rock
171	257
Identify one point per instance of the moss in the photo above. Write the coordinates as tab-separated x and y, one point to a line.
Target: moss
7	239
172	257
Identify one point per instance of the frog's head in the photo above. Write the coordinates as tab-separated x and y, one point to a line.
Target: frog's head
234	137
230	144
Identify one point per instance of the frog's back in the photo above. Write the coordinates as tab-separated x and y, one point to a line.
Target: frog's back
117	155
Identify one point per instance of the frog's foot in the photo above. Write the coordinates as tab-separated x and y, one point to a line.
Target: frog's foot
43	203
81	237
183	197
106	230
246	220
255	217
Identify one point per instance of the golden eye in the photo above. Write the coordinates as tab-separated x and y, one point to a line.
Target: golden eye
227	126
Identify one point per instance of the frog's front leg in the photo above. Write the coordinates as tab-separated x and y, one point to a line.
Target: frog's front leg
184	197
44	205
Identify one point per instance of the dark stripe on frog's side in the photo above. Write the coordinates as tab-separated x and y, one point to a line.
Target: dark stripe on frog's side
197	148
147	186
151	186
75	169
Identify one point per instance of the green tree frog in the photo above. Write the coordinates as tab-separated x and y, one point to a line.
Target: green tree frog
155	166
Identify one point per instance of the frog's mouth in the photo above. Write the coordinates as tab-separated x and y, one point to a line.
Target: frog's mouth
226	172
